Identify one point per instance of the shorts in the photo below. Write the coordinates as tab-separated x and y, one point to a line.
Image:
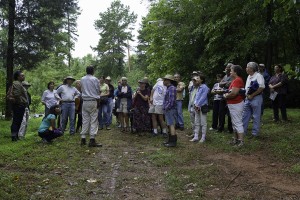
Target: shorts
156	109
123	106
170	116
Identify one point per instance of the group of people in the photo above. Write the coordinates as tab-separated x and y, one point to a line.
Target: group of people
92	100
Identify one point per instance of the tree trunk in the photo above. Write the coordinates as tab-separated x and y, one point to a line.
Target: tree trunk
10	53
269	45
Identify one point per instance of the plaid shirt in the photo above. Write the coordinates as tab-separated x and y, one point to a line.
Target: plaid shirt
170	98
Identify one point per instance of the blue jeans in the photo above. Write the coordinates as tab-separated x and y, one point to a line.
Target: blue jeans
68	111
103	115
179	118
170	116
252	108
110	110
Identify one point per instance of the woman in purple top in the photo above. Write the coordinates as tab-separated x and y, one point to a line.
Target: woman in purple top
141	117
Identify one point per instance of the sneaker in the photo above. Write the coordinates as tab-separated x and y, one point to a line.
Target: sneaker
108	128
190	136
240	143
194	140
233	141
93	143
202	140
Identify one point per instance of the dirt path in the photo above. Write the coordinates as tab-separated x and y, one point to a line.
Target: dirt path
122	170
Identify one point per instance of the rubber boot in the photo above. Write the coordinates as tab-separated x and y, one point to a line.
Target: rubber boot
172	141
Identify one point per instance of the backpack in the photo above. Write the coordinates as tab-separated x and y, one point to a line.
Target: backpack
9	96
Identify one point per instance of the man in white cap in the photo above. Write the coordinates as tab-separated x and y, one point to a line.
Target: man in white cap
110	101
66	95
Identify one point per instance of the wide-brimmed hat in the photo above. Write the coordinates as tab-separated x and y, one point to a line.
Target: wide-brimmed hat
143	81
25	83
169	77
194	72
123	78
196	78
70	78
108	78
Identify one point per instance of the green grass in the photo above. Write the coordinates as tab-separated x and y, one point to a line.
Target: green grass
30	169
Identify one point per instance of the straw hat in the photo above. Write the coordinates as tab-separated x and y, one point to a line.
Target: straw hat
169	77
70	78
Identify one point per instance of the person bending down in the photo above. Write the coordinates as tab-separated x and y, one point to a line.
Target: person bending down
47	130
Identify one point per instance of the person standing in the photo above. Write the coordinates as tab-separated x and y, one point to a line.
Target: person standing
110	102
255	85
180	92
68	95
49	99
235	102
140	105
157	96
218	97
23	127
169	107
90	88
223	110
104	103
124	103
263	71
193	91
201	109
278	85
78	107
19	103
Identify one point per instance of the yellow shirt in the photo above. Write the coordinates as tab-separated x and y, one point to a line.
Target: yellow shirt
179	95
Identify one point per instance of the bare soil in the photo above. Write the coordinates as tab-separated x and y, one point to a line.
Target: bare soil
121	170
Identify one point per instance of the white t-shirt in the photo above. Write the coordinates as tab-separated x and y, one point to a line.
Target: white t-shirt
159	93
256	76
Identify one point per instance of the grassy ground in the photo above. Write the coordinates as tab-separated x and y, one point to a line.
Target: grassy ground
133	167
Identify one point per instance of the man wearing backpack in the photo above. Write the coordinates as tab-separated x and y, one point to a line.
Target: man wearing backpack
19	98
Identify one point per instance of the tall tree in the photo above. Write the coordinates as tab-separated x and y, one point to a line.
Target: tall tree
115	26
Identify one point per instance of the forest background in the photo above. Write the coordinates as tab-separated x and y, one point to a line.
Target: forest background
38	36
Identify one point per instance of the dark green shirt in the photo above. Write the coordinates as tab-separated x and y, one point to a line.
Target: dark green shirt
19	93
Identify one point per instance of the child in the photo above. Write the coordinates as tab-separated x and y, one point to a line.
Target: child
47	130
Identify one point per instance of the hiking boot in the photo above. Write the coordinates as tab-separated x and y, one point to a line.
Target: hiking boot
14	138
172	141
83	142
93	143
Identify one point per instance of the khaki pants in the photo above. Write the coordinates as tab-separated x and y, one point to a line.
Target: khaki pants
89	118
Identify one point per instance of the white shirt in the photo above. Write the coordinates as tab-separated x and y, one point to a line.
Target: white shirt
90	87
67	93
159	93
49	98
256	76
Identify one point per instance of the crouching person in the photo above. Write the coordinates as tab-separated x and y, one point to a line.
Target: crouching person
169	107
47	130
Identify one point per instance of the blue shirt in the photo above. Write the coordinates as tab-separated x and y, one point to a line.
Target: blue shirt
170	98
46	123
201	96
